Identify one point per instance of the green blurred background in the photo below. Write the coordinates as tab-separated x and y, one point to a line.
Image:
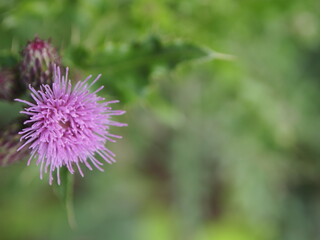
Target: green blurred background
218	147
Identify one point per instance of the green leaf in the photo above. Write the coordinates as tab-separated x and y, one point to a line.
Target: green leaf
130	65
141	57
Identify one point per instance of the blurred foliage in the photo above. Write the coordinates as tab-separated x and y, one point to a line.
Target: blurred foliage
215	149
130	65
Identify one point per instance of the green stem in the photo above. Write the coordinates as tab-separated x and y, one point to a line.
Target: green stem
69	202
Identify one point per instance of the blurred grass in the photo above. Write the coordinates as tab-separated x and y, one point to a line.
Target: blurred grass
215	149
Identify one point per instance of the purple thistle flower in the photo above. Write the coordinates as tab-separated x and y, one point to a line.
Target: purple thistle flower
68	126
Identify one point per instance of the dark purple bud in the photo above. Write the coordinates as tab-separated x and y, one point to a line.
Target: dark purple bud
10	86
9	143
38	59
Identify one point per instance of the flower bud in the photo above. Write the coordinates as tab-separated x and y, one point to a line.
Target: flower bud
10	86
9	143
38	60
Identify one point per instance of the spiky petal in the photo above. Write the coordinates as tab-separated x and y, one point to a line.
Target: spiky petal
68	126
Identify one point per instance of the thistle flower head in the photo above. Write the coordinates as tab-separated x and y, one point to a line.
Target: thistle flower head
38	60
68	126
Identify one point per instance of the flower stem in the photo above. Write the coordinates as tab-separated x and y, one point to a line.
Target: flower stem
69	202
